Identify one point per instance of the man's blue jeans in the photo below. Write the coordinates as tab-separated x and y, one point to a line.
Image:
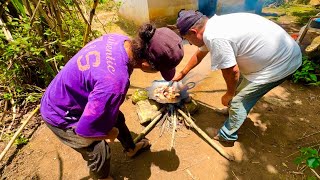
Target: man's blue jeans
247	94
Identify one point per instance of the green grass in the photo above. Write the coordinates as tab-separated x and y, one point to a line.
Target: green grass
301	13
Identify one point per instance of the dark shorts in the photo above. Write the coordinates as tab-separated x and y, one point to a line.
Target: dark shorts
96	153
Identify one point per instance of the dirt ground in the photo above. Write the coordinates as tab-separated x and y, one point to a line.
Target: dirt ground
269	140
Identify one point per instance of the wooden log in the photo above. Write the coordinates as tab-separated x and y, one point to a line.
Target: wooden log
150	126
3	153
206	137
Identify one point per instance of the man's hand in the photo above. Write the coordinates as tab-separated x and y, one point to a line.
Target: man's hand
178	76
231	76
112	134
193	62
226	98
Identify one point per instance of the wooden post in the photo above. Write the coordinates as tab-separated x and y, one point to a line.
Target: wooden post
206	137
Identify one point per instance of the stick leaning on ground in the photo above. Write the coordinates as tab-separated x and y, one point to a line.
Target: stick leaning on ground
149	127
3	153
206	137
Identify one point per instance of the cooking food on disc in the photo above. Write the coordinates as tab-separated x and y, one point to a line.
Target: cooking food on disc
165	92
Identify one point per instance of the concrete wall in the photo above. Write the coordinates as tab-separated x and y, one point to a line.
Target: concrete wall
134	10
230	6
165	11
161	12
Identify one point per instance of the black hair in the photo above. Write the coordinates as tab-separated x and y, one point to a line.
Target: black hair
140	44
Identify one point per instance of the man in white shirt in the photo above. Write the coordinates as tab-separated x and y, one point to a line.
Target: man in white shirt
243	43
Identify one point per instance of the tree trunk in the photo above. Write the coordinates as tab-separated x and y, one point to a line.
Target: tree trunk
88	29
44	14
57	14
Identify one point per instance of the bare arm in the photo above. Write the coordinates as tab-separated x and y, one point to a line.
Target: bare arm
193	62
231	76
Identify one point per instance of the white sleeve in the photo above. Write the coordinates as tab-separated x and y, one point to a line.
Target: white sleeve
222	54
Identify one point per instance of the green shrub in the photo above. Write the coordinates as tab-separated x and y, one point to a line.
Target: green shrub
308	73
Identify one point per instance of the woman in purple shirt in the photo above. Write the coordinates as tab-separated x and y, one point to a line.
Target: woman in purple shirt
81	104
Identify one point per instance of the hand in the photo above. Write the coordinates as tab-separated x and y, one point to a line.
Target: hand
178	76
112	134
226	98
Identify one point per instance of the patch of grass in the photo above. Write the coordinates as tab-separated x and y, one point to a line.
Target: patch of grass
127	26
302	13
307	73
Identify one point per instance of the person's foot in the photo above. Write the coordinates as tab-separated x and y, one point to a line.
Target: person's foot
314	45
221	139
217	137
141	146
224	111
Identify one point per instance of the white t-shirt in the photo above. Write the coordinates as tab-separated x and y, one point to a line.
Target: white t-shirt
263	51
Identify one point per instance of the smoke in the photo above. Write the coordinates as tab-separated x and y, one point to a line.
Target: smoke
200	72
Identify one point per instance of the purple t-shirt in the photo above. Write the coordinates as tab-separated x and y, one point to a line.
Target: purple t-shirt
87	93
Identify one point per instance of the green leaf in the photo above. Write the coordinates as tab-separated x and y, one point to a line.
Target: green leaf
7	96
298	160
313	162
19	6
313	77
311	178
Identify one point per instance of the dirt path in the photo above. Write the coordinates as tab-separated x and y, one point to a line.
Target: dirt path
267	138
267	145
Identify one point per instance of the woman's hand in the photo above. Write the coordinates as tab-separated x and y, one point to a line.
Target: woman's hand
178	76
112	134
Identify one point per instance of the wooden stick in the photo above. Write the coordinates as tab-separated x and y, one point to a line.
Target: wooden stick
163	124
4	111
2	131
315	173
206	137
14	113
3	153
3	7
188	113
235	175
88	28
34	12
309	135
80	11
174	127
253	132
150	126
208	105
162	120
6	31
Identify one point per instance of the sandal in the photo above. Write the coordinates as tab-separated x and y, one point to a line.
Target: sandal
217	137
145	145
